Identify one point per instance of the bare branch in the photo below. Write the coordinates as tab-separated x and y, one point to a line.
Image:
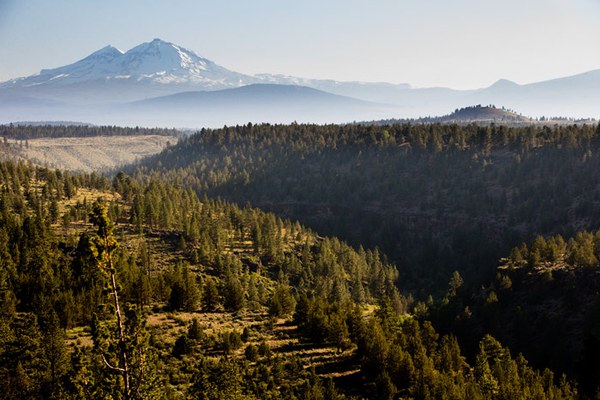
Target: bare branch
121	370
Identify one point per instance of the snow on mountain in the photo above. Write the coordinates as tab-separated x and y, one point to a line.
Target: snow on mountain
94	66
164	62
159	68
381	92
155	62
101	84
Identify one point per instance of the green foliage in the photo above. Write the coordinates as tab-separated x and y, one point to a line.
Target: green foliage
221	380
183	346
185	294
431	197
547	310
23	367
23	132
244	258
231	341
210	298
282	303
122	346
324	322
233	293
251	352
195	331
263	349
410	359
580	251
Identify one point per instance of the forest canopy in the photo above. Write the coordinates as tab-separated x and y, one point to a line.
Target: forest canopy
414	293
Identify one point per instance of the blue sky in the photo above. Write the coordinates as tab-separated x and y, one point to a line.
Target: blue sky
459	44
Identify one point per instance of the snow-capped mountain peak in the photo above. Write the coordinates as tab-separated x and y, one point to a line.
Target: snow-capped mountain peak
158	68
156	63
107	52
163	60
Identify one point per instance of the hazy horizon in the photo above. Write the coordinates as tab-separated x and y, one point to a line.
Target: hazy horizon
461	45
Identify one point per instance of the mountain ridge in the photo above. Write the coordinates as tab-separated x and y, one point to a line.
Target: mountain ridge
267	91
109	78
256	102
155	62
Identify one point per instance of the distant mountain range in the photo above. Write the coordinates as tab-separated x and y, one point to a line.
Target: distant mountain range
254	102
160	83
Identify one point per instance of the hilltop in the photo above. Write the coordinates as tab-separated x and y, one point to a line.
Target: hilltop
487	115
483	114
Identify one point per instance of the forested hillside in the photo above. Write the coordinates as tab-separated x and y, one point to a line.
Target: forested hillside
487	115
433	198
135	288
544	302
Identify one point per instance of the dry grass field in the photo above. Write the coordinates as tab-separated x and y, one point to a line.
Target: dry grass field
87	154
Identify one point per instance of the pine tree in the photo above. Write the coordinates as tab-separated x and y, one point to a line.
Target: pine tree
210	298
282	302
123	345
195	331
233	293
55	351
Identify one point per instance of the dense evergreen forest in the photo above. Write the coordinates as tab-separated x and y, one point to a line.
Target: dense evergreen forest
544	301
136	287
26	132
433	198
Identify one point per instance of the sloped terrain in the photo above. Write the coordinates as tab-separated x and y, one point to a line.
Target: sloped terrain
82	148
94	153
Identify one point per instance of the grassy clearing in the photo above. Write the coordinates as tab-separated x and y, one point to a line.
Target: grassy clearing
281	336
79	336
87	154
